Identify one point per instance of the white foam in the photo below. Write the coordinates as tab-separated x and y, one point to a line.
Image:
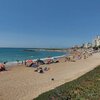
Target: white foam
13	63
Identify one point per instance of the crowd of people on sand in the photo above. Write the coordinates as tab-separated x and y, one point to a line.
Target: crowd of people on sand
78	54
75	54
36	64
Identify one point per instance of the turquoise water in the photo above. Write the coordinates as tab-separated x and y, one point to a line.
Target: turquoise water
13	54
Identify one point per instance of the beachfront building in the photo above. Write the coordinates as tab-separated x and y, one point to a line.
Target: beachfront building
87	45
96	42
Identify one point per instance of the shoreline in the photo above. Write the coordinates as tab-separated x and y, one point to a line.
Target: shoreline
22	56
22	83
14	63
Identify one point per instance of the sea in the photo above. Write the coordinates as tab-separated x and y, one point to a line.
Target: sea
14	54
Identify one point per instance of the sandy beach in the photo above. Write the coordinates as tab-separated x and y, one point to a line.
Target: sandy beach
22	83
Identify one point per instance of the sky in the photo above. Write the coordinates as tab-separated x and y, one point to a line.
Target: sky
48	23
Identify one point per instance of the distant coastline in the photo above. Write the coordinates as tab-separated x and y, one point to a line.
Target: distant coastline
47	49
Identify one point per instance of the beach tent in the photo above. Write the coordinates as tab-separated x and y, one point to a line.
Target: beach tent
40	62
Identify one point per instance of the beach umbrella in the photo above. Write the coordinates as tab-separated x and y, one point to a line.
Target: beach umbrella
29	61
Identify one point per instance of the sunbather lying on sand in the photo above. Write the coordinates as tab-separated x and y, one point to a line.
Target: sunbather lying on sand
41	70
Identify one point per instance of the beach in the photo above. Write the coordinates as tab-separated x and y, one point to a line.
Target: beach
22	83
45	44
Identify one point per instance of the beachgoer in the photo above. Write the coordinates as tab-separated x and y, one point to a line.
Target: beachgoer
22	62
2	67
46	69
25	62
49	61
41	71
4	62
55	60
17	61
33	65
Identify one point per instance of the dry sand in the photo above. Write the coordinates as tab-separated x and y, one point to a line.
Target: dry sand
22	83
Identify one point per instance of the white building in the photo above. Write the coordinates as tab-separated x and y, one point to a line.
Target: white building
87	45
96	41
